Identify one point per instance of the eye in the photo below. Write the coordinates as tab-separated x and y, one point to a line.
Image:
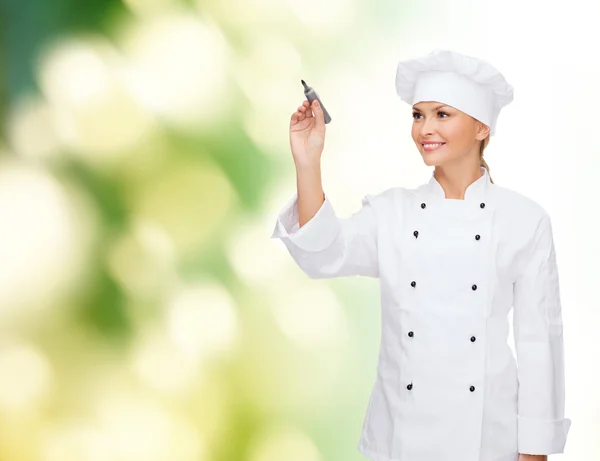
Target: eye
440	112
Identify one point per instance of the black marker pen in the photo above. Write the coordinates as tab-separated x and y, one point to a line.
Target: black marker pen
311	95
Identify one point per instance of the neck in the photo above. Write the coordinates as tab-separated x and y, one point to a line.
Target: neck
455	181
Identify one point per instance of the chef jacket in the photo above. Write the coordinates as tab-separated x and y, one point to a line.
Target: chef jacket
447	386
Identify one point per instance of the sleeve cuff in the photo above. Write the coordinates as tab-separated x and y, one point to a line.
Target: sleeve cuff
542	436
315	235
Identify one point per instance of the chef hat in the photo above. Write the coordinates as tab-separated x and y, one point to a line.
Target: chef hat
471	85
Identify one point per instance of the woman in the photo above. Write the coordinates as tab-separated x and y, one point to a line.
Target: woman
453	257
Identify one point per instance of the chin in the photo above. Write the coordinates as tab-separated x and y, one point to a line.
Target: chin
433	160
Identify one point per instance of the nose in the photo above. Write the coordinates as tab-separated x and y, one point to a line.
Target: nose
427	127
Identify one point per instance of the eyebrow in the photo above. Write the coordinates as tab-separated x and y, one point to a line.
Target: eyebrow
443	105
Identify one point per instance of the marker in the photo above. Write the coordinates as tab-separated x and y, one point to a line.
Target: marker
311	95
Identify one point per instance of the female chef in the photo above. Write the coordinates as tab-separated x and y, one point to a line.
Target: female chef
453	257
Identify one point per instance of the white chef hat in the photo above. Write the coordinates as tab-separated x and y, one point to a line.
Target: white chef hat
471	85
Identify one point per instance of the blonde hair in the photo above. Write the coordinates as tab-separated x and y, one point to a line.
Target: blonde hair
483	163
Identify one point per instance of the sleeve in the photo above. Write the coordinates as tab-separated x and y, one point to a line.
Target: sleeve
328	246
538	335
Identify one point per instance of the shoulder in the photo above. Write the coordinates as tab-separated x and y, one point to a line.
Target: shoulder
382	197
523	220
518	207
388	199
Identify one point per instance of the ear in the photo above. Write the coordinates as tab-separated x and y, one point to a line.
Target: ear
483	131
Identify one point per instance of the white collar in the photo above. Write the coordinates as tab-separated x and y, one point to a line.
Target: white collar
475	191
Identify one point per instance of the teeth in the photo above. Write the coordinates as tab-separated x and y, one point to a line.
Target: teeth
431	146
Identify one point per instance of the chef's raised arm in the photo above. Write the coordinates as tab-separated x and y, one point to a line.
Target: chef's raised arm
328	246
538	334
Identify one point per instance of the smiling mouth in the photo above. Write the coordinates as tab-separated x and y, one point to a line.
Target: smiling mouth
432	146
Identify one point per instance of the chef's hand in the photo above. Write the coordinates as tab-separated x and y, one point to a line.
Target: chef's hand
533	457
307	134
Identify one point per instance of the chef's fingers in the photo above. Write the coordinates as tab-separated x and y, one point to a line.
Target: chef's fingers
301	113
294	118
306	109
319	116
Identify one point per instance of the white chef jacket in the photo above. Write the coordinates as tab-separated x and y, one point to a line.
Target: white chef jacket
447	386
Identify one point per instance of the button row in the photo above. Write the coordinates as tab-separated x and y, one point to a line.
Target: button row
410	386
416	234
411	334
481	205
414	284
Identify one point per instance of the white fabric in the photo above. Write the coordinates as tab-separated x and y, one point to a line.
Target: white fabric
513	266
469	84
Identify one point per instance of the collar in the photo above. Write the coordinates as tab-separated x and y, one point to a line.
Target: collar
474	191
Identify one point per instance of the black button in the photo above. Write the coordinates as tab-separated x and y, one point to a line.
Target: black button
472	339
409	387
477	237
413	284
416	233
474	287
423	205
482	205
411	334
472	388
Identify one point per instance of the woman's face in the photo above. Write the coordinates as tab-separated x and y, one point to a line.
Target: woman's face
435	122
